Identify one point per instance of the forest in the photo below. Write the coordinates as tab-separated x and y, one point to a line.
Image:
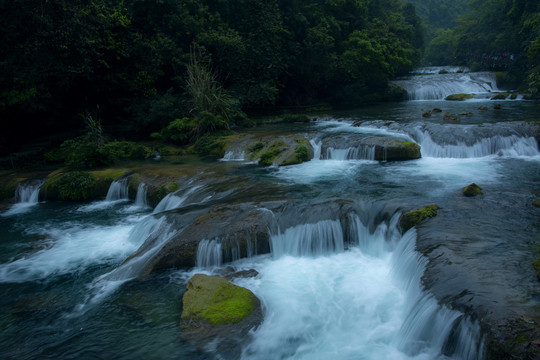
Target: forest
139	67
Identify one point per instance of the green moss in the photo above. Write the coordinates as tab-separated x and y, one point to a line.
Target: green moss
216	301
536	263
172	187
472	190
536	203
413	218
500	96
403	150
256	146
458	97
76	185
269	155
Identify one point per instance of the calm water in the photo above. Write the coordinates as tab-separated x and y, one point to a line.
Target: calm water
331	302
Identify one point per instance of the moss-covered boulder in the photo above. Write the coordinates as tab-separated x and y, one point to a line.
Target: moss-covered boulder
472	190
267	150
402	150
216	301
379	148
220	313
413	218
79	185
458	97
500	96
536	203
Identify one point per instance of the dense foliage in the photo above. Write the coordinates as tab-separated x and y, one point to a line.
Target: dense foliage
131	64
497	35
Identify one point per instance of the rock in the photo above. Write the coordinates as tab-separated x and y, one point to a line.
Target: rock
413	218
497	107
472	190
218	316
483	108
536	203
427	114
244	274
499	96
382	148
449	117
271	150
458	97
436	110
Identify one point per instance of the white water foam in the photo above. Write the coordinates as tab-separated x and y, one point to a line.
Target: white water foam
234	155
72	248
175	200
349	304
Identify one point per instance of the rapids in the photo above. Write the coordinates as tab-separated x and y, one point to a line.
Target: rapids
334	285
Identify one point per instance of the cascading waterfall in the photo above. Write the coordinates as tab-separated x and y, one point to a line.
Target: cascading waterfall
509	146
324	237
439	86
118	190
351	303
364	152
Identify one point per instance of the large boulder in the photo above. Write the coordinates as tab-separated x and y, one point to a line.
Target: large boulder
269	150
413	218
378	148
217	315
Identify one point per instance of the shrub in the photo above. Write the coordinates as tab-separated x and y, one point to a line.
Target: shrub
76	185
120	150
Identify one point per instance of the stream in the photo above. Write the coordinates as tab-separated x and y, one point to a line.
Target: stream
330	288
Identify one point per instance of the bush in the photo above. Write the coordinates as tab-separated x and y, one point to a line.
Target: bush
120	150
302	153
178	131
76	185
290	118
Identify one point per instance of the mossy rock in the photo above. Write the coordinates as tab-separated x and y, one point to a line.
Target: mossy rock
459	97
472	190
500	96
402	150
80	185
215	300
413	218
536	203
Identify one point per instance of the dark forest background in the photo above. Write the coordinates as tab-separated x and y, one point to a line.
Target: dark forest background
133	67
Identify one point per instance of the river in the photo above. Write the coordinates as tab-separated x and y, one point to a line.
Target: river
328	290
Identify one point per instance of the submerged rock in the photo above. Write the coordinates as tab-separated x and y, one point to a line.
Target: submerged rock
472	190
217	315
413	218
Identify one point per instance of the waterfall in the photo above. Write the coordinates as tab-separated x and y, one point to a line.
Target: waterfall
316	148
439	86
428	326
363	152
27	193
26	196
317	239
508	146
140	199
234	155
209	253
118	190
355	302
175	200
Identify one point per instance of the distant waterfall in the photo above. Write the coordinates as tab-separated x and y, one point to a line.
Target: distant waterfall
118	190
439	85
234	155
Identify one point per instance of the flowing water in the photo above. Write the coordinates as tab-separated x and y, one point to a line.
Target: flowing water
340	288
